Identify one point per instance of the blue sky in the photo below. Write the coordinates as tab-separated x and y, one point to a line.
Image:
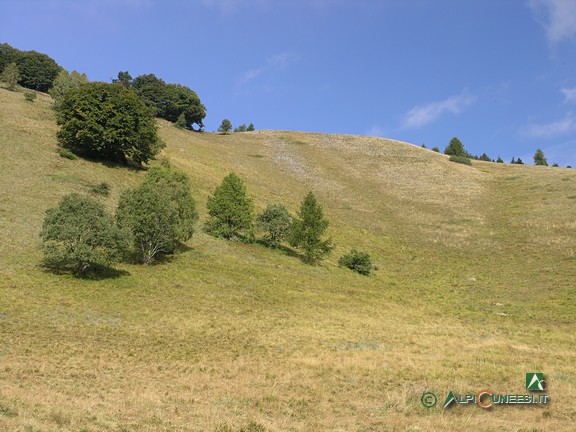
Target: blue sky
499	74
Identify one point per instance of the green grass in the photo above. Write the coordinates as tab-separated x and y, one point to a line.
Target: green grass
474	289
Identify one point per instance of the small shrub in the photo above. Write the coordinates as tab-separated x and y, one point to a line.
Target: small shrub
102	189
30	96
461	160
357	261
65	153
436	149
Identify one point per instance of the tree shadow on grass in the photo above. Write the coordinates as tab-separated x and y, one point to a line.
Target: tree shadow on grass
99	273
123	164
286	250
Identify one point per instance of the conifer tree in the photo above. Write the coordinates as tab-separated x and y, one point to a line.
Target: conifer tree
539	158
308	228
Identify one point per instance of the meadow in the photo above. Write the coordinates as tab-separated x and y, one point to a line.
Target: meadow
474	288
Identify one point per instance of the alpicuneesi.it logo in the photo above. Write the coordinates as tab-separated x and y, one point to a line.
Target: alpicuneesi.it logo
486	399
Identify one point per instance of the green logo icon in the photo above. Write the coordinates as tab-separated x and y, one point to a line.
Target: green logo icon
535	381
449	399
429	399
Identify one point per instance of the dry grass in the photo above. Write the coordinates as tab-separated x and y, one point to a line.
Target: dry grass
475	288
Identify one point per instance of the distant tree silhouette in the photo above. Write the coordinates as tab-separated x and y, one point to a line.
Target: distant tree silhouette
225	127
539	158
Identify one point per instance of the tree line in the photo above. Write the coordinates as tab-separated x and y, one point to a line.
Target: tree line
455	149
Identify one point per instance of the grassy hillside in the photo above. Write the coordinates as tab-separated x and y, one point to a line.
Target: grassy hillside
475	288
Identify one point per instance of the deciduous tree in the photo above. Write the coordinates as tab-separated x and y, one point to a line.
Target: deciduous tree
109	122
160	213
225	127
80	236
10	75
230	210
275	221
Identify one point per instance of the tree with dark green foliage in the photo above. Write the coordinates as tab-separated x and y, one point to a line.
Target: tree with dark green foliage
485	158
10	76
160	213
276	221
109	122
80	236
124	79
241	128
513	161
230	210
499	160
250	128
357	261
539	158
8	54
436	149
555	165
37	70
225	127
455	148
152	91
65	82
308	228
519	161
168	101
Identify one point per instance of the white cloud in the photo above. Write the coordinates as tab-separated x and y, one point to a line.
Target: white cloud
548	130
273	64
557	16
422	115
569	94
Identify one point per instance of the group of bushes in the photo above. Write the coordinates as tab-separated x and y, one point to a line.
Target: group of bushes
82	237
153	219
